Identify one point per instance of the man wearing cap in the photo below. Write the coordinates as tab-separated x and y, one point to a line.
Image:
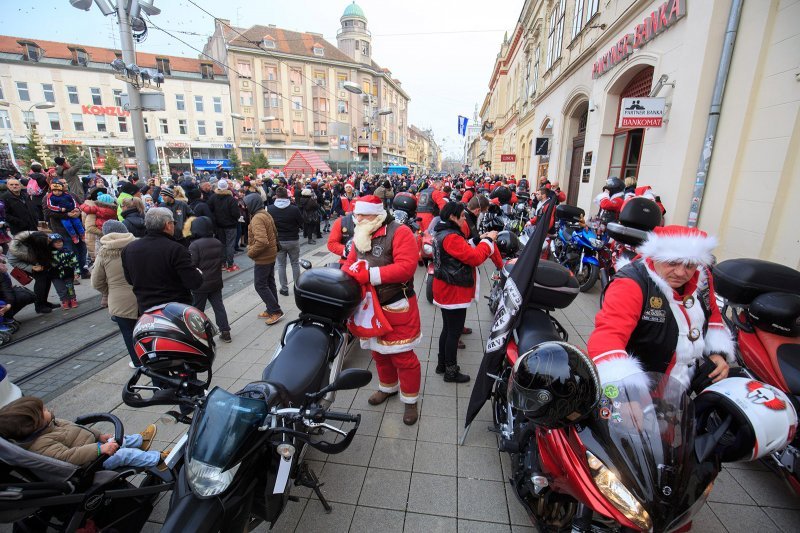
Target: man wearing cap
180	212
225	209
384	254
660	313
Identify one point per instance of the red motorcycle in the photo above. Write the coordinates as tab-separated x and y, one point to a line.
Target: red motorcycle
761	307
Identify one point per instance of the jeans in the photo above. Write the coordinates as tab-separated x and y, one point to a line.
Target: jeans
264	283
129	454
452	328
215	298
292	249
228	238
126	326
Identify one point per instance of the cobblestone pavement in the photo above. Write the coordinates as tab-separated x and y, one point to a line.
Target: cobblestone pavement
417	479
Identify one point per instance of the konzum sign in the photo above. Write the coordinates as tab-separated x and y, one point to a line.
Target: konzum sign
112	111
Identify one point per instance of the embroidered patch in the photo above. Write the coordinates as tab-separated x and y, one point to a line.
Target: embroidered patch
377	250
656	302
655	315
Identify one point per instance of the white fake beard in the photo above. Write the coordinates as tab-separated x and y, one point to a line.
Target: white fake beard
362	233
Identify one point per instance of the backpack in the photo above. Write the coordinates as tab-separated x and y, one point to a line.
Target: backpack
33	187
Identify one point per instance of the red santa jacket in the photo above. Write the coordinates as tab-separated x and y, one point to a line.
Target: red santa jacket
468	194
614	203
348	203
404	255
439	198
335	244
449	296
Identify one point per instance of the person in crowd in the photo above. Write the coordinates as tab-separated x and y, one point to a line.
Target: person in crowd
207	254
309	208
29	423
263	249
289	221
385	193
29	251
611	199
21	211
384	254
660	313
38	185
133	216
108	278
63	203
545	197
455	284
341	233
159	268
477	206
63	265
225	210
69	174
14	298
198	202
97	208
125	190
348	199
180	213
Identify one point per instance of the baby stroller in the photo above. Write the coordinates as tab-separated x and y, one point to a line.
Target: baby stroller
39	493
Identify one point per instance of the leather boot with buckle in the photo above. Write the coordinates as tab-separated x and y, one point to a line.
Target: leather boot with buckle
411	415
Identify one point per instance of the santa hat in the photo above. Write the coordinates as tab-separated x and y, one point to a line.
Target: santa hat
679	243
368	205
469	184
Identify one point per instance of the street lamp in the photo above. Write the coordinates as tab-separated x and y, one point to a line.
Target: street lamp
239	116
356	89
40	105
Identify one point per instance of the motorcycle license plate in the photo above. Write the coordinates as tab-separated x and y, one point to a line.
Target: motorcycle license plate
283	476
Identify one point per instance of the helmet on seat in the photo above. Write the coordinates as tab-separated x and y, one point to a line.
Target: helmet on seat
405	202
554	385
763	419
614	185
507	243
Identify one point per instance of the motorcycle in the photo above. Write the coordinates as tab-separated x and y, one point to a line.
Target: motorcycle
578	248
760	304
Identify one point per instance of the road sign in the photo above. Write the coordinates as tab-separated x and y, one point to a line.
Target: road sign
641	112
542	145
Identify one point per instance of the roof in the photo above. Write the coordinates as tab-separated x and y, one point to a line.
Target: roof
354	10
286	42
306	163
56	50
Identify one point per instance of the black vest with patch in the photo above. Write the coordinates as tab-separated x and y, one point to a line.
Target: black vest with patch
348	228
446	267
381	255
425	204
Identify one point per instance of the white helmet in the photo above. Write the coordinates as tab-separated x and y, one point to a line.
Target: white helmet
763	418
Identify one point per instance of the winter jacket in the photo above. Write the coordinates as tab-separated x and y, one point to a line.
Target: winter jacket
109	279
21	212
180	212
262	235
200	208
457	247
287	218
308	206
225	209
70	175
134	221
65	441
63	264
206	254
97	214
160	270
29	248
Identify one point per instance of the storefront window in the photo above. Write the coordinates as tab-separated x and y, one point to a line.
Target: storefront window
626	151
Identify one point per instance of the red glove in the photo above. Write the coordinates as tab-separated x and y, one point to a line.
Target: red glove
359	271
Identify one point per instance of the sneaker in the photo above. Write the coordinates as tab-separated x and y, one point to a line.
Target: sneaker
225	336
148	435
65	304
233	268
131	365
284	292
162	466
274	317
73	303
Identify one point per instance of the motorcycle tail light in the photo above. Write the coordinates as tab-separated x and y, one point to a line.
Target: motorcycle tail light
615	491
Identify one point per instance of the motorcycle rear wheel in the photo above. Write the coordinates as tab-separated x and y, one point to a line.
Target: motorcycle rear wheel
586	277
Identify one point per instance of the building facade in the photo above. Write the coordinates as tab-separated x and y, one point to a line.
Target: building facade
583	57
424	154
289	89
87	104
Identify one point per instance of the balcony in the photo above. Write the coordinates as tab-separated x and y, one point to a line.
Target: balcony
321	137
275	134
363	31
319	89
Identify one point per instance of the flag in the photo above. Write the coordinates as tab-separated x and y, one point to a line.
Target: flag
462	125
516	294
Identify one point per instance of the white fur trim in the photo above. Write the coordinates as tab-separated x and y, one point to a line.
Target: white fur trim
718	340
619	369
622	261
490	243
389	390
367	208
408	399
688	249
375	276
372	344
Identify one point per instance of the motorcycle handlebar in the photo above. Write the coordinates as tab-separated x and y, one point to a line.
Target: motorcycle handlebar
342	417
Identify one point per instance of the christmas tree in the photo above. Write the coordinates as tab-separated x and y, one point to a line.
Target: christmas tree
112	163
236	165
259	160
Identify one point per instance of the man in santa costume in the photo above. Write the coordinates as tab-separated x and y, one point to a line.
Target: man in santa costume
660	313
384	254
469	191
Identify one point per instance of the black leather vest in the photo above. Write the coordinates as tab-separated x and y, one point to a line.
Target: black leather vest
425	204
381	255
348	228
446	267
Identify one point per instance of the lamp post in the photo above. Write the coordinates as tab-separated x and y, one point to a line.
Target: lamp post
373	114
239	116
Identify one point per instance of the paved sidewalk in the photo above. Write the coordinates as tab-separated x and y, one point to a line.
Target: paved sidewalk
417	479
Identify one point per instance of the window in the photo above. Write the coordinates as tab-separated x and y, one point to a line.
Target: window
117	97
555	34
577	19
49	94
77	121
298	127
297	103
270	73
28	117
162	64
1	93
72	94
342	105
295	77
220	130
268	42
5	120
246	98
207	71
217	104
591	8
366	86
198	103
101	123
146	125
201	127
271	101
274	126
319	51
122	122
163	126
320	79
96	98
320	129
535	73
80	57
55	121
22	91
365	48
180	104
248	124
245	69
182	128
321	105
340	79
32	52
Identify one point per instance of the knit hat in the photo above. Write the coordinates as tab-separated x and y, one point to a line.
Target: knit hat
166	191
105	198
114	226
369	205
679	243
55	237
222	184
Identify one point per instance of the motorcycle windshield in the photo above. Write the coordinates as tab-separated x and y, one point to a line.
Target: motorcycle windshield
223	426
640	441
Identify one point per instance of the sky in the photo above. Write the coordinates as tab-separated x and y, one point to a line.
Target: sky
442	51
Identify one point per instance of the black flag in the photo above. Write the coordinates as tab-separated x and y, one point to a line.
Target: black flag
516	293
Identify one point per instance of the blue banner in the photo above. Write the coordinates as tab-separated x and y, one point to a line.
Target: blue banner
211	164
462	125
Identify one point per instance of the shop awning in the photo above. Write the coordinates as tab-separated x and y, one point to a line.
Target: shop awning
212	164
305	163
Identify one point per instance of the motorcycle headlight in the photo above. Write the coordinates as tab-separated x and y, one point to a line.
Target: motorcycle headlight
615	491
207	480
427	249
597	243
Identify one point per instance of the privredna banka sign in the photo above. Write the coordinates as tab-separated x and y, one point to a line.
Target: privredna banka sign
104	110
658	21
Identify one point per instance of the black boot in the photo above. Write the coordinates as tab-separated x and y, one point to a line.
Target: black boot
440	368
453	375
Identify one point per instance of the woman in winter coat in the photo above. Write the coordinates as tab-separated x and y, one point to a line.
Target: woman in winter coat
207	253
30	251
97	209
109	279
133	216
455	282
309	207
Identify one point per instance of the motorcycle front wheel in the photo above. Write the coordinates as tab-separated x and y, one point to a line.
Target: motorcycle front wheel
586	276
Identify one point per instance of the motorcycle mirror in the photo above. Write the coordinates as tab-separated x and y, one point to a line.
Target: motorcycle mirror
305	263
352	378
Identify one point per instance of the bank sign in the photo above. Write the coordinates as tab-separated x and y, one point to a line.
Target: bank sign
659	20
641	112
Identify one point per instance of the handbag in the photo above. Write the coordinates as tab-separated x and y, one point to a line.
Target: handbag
368	320
21	276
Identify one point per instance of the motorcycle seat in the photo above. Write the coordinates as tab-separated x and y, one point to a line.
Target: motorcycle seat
789	362
300	366
535	327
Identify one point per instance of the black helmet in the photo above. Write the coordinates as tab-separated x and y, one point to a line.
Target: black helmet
174	336
640	213
405	202
508	243
554	385
491	222
503	194
614	185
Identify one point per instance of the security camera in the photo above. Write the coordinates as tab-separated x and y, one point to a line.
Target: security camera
118	65
145	75
158	78
133	69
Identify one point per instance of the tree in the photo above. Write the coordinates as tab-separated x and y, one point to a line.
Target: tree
112	163
72	153
32	150
259	160
236	165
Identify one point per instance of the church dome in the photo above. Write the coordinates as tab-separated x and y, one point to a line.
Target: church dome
354	10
